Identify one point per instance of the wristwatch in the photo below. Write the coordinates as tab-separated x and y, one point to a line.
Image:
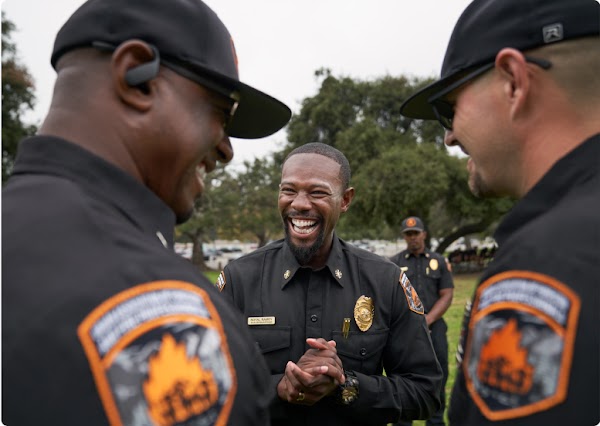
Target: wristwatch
348	392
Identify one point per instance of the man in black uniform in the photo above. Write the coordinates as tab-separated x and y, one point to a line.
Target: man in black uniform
102	323
429	275
520	94
329	317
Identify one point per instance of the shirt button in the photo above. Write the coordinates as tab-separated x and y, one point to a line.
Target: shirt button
314	318
363	351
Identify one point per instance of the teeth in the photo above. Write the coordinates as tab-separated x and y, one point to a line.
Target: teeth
303	226
303	223
201	171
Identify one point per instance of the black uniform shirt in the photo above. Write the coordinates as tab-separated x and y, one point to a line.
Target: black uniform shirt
101	320
269	283
531	354
427	272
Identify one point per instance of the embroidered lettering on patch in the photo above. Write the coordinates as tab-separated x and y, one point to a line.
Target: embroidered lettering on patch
520	344
159	355
220	284
414	303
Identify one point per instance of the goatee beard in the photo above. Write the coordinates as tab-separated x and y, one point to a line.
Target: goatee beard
304	254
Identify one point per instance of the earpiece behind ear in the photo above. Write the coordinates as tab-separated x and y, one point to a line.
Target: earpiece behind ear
145	72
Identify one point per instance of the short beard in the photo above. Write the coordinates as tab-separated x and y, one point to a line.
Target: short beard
303	254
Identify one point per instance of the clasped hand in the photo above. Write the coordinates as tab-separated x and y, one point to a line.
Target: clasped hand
316	374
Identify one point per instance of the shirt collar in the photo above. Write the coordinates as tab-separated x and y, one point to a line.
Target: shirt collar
58	157
335	264
574	169
425	254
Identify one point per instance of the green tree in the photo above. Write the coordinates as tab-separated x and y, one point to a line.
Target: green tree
235	205
17	97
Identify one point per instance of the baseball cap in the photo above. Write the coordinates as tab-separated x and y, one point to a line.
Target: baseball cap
185	32
412	223
487	26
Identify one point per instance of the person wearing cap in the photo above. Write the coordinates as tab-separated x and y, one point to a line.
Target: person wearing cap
330	317
102	323
519	93
429	275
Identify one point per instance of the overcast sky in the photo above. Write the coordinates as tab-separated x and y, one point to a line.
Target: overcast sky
280	44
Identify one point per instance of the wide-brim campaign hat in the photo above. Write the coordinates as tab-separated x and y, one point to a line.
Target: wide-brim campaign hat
487	26
186	33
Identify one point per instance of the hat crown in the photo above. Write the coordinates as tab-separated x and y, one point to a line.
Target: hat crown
487	26
187	30
412	223
184	32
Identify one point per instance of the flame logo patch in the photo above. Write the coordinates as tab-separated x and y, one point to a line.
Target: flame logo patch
177	388
159	356
519	344
503	362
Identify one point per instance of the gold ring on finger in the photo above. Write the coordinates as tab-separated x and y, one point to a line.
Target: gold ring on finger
300	396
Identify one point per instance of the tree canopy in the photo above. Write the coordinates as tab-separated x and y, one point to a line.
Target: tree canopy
17	97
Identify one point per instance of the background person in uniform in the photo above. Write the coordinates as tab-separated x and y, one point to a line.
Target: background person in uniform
329	317
520	94
101	321
429	275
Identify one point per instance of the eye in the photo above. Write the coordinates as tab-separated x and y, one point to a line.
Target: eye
319	194
287	191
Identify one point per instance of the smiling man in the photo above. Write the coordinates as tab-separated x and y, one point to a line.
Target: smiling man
330	317
102	323
520	94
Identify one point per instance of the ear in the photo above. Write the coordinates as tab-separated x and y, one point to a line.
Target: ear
347	199
513	69
134	66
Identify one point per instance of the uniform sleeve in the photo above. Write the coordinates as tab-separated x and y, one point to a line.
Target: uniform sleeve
411	385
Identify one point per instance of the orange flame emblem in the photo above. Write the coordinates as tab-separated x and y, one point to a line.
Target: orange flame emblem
177	387
503	362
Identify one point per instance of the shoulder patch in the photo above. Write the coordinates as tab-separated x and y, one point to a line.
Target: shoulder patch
520	344
414	303
220	284
159	355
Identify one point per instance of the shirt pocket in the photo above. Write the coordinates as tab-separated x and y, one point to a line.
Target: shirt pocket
362	351
274	343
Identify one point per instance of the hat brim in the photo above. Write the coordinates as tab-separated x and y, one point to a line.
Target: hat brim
412	229
258	115
417	106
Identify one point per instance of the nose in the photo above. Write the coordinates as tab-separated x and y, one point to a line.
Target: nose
224	149
449	138
301	201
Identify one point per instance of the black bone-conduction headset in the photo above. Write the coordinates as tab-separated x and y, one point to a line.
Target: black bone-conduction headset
140	74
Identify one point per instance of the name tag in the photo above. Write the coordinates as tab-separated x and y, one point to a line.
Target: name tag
261	320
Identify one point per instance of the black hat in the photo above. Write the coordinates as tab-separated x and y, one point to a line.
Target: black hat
488	26
185	32
412	223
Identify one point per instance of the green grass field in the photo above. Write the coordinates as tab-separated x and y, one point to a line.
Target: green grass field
463	291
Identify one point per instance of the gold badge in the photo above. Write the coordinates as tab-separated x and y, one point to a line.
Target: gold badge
433	264
363	312
287	274
338	274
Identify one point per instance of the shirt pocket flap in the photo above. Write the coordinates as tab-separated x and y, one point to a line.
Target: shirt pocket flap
361	345
271	338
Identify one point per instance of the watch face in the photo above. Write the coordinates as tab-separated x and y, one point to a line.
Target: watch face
349	395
